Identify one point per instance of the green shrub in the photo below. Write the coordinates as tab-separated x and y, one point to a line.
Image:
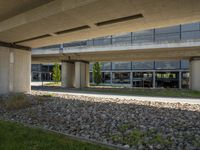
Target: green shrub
97	73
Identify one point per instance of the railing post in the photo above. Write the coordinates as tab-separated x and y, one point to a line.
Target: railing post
131	37
154	35
180	33
92	42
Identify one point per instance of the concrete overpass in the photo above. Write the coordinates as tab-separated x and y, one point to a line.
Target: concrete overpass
29	24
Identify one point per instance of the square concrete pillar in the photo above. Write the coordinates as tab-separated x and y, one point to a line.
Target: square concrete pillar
15	70
195	73
68	74
81	74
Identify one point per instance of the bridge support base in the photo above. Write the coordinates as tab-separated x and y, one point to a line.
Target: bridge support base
195	73
75	74
15	70
68	73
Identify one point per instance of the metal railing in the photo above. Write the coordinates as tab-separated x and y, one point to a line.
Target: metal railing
151	36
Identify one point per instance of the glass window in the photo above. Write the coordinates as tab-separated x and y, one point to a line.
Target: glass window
45	68
106	78
143	65
91	66
106	65
185	64
167	79
121	77
36	76
51	68
35	67
91	77
121	65
142	79
167	64
185	80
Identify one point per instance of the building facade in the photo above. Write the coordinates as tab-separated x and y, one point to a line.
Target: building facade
152	73
148	74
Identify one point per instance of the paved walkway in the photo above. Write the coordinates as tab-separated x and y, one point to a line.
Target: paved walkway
128	97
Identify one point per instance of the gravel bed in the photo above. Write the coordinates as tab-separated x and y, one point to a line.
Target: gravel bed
129	123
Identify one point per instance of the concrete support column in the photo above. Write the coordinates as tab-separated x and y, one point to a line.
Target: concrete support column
111	82
195	73
81	74
131	79
180	80
68	74
154	79
15	70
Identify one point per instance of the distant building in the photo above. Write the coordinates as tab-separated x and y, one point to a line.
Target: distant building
161	74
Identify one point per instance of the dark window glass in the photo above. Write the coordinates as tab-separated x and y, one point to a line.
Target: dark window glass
35	67
167	64
167	79
121	77
45	68
143	65
91	77
91	66
36	76
142	79
106	65
106	78
121	65
185	80
185	64
51	68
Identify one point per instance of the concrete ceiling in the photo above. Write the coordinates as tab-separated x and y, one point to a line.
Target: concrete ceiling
37	23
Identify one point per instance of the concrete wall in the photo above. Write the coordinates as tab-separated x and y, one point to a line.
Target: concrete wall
195	74
81	74
68	74
4	70
15	70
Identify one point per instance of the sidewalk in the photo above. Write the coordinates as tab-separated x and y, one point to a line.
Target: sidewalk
119	96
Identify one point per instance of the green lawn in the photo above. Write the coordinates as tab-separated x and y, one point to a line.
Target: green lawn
53	84
14	136
147	92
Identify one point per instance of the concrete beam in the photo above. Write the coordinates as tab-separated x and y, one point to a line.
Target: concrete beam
39	13
71	20
11	45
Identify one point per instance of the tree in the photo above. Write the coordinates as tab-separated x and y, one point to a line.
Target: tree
97	73
56	73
